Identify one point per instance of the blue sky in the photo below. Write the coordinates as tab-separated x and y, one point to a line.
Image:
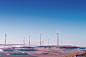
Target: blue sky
23	17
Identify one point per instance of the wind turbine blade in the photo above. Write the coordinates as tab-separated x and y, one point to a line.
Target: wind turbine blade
60	32
56	31
41	31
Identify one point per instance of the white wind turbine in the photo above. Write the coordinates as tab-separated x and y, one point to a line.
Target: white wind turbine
57	38
40	37
29	38
48	40
5	37
24	40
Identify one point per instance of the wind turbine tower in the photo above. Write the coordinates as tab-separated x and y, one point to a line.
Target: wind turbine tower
40	38
48	41
5	37
24	40
29	39
58	38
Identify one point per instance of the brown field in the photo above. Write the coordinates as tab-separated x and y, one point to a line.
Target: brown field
51	52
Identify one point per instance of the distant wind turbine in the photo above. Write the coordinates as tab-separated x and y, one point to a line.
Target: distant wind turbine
29	39
5	37
57	38
48	41
40	37
24	40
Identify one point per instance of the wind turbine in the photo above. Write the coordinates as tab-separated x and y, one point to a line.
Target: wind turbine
40	37
57	38
48	41
24	40
5	37
29	39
